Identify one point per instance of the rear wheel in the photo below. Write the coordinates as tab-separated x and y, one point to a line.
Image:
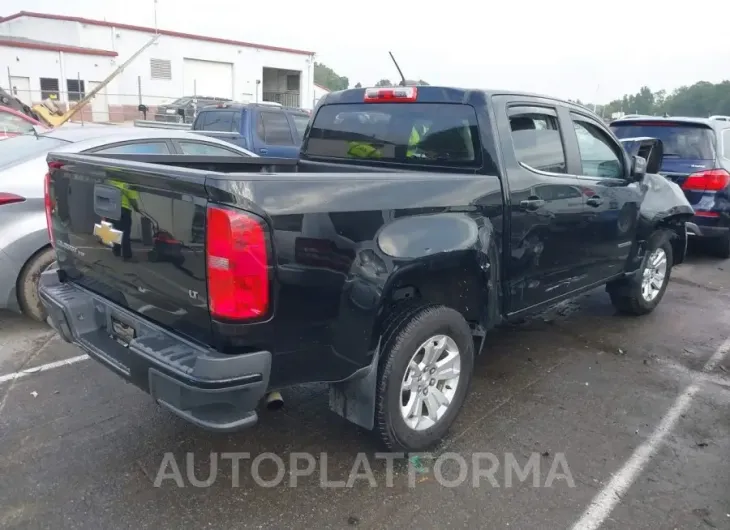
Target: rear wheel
28	297
424	377
641	294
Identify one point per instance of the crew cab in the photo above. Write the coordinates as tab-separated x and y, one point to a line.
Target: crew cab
267	129
378	262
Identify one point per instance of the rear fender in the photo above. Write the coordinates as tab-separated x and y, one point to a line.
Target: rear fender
446	259
451	260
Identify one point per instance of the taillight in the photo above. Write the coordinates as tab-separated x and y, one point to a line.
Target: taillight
402	94
711	180
237	264
10	198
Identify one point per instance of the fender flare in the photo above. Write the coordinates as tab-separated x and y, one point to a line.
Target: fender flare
459	234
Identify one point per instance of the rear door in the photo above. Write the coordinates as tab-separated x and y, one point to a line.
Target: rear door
274	135
545	205
134	234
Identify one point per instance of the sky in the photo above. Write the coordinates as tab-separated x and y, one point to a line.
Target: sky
593	51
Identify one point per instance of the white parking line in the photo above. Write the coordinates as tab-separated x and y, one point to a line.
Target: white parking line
41	368
607	499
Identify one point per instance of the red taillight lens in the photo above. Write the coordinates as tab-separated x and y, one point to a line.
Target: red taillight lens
10	198
395	95
712	180
237	264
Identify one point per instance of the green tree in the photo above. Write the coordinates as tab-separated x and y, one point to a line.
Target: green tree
701	100
326	77
358	85
384	82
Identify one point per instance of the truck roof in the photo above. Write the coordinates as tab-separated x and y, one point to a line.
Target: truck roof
261	105
444	94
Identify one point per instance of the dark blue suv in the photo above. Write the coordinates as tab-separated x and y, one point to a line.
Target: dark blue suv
697	158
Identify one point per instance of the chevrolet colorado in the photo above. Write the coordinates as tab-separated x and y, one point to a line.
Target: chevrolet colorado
415	220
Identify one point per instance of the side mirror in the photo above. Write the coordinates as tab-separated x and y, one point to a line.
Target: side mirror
650	149
638	167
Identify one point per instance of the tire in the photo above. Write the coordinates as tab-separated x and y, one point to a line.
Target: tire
628	296
403	341
28	297
720	247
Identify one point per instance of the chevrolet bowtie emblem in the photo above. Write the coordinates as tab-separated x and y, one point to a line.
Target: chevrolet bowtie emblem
108	235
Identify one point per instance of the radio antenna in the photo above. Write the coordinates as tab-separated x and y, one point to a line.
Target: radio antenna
402	77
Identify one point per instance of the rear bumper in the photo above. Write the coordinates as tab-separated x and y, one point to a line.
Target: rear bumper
211	390
699	230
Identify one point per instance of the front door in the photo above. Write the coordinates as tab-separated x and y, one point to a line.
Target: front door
612	199
545	204
274	137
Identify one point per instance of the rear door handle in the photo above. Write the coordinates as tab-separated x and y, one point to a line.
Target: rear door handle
532	204
594	201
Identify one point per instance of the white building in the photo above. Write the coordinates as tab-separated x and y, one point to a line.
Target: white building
64	57
319	92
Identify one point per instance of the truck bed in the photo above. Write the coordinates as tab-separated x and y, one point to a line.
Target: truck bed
330	258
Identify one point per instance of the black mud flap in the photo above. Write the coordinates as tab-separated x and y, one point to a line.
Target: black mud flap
354	399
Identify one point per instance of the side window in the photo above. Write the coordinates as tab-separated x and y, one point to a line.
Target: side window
300	122
205	149
236	125
139	148
597	155
537	140
218	120
276	129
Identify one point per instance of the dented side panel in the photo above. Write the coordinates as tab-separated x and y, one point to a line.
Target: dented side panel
350	247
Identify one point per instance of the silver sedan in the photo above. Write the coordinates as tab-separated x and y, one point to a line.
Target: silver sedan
25	249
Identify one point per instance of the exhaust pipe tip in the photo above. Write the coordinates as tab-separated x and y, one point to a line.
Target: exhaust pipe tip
274	401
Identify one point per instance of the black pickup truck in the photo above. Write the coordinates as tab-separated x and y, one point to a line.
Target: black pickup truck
415	221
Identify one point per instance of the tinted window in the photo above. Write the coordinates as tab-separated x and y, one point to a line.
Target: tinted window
10	123
21	148
537	141
414	133
684	141
276	129
144	148
597	155
217	120
300	122
203	149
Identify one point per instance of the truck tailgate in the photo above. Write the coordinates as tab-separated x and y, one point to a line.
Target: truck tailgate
134	233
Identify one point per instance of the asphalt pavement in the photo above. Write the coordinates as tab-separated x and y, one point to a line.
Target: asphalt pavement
578	419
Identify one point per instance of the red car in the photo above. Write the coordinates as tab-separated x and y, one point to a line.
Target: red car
13	123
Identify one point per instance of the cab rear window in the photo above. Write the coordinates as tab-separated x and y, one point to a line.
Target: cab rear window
433	134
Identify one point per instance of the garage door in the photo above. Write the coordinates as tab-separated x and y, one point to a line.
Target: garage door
207	78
